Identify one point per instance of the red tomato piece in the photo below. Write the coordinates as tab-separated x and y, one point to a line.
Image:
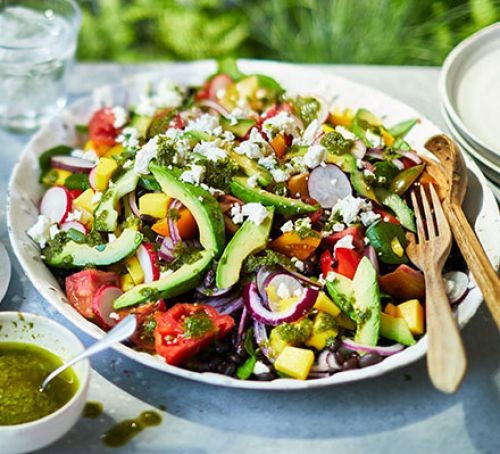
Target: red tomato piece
102	131
347	261
326	263
185	329
81	287
218	84
386	217
408	162
355	231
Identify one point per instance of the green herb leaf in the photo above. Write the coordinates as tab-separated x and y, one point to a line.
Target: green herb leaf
248	344
401	129
77	181
246	369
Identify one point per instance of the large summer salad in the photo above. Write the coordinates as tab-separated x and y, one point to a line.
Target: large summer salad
254	232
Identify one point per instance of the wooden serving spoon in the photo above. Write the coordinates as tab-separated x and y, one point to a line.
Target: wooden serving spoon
451	178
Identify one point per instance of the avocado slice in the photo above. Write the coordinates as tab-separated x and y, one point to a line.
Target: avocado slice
78	255
250	168
361	186
396	329
180	281
105	215
141	123
199	202
283	205
398	205
248	239
240	128
366	303
340	290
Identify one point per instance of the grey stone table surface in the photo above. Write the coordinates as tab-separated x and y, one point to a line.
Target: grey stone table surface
399	412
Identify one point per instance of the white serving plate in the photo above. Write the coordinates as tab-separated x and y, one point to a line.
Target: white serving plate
23	199
469	89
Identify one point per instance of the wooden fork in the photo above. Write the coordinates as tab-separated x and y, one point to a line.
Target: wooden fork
446	360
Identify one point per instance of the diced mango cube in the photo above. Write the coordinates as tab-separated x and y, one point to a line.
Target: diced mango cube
56	177
319	341
105	169
392	310
154	204
295	362
114	151
324	330
126	282
413	313
327	128
325	304
84	201
341	118
135	270
387	138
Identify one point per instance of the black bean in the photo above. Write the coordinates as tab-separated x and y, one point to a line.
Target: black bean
222	348
230	369
233	357
147	219
335	345
222	367
240	350
339	357
268	376
214	364
369	359
203	367
345	351
351	363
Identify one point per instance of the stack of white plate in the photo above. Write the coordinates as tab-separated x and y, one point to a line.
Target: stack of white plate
469	89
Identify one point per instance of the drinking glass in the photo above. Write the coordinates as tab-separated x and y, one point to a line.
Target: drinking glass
37	47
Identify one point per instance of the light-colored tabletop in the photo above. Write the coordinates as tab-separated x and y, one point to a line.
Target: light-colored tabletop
397	413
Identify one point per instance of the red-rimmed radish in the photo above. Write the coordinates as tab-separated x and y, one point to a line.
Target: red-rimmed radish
92	176
328	184
148	260
72	163
102	305
358	149
75	225
218	86
457	284
253	301
215	106
56	203
382	351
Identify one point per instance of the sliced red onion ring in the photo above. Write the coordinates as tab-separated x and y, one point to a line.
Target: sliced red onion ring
172	224
260	335
132	203
256	308
317	375
457	285
166	251
326	362
214	106
398	163
302	278
241	325
375	153
328	184
262	276
359	149
72	163
232	307
290	284
372	256
382	351
220	303
411	155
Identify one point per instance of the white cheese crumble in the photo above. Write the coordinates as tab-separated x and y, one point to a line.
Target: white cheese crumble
311	132
114	316
250	149
374	139
168	95
228	136
205	123
287	226
236	214
40	231
96	198
315	156
89	155
75	215
299	264
253	181
368	217
345	242
260	368
280	123
256	137
120	115
283	291
194	175
129	138
53	231
350	207
346	134
280	175
210	150
145	155
235	115
256	212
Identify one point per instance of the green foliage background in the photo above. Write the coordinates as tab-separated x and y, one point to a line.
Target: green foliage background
403	32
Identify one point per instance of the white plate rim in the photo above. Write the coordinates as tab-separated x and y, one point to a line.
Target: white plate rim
280	70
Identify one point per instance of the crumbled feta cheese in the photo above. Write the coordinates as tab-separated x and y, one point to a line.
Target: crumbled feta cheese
338	227
374	139
250	149
368	217
128	164
303	223
311	132
280	175
228	136
260	368
283	291
194	175
129	138
252	181
145	155
114	316
256	212
360	164
89	155
345	242
269	162
330	277
40	231
283	122
205	123
120	115
287	226
53	231
236	214
167	95
210	150
256	137
74	215
96	198
349	208
299	264
236	114
315	156
346	134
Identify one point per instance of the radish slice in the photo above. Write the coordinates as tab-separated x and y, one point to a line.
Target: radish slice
259	313
74	225
102	305
132	203
359	149
215	107
285	284
382	351
92	175
457	284
375	153
149	262
72	163
56	203
218	86
328	184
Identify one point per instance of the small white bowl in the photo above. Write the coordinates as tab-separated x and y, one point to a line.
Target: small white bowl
45	333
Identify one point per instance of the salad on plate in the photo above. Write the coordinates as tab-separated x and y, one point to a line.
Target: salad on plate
255	233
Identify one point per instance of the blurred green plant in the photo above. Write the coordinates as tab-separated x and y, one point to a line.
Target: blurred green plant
404	32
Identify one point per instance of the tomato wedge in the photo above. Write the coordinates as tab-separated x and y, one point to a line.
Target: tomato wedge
185	329
347	261
292	245
102	131
355	231
386	217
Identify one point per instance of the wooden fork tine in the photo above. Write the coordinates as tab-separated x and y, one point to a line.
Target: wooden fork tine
418	217
442	226
429	220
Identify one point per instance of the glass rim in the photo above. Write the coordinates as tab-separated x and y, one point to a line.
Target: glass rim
75	20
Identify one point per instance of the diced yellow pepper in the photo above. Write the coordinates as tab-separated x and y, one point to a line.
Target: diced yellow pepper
343	118
397	247
56	177
387	138
84	201
154	204
390	309
114	151
345	322
135	270
327	128
126	282
413	313
105	169
295	362
325	304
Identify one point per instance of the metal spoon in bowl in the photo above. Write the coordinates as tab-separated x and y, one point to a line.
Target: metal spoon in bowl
120	332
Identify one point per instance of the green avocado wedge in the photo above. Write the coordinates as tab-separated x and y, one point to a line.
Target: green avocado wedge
202	205
283	205
106	216
79	255
248	239
180	281
250	168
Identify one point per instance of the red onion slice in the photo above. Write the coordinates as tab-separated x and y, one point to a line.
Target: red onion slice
166	251
359	149
72	163
411	155
302	278
457	284
256	308
375	153
326	362
208	103
132	203
172	223
328	184
241	325
232	306
372	256
291	285
260	335
398	163
382	351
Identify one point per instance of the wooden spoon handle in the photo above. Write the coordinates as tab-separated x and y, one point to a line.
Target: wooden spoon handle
446	360
477	260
